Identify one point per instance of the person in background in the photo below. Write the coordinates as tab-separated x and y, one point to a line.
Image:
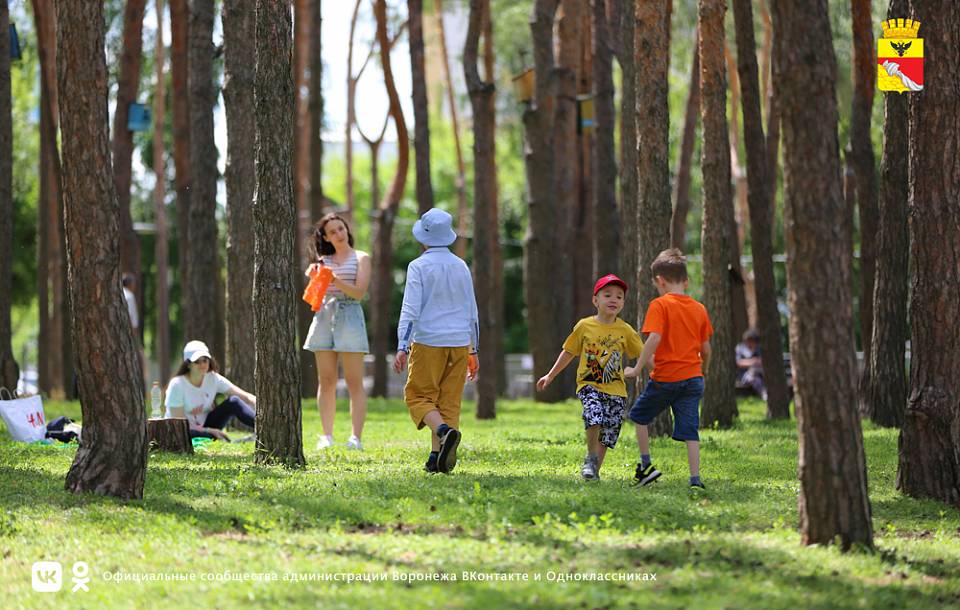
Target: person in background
749	365
192	392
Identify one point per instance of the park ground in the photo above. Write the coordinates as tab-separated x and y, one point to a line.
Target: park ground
514	508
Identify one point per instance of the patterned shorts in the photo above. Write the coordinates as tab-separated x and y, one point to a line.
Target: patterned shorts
604	410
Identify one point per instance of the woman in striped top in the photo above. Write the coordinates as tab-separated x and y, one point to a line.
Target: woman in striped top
338	330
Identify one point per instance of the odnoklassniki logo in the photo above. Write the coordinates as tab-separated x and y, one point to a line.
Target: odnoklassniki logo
900	56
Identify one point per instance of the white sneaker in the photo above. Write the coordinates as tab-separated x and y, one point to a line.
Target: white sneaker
354	443
324	441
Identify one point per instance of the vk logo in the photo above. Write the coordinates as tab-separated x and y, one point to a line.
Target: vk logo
47	576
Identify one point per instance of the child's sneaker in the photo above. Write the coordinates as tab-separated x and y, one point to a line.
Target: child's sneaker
448	450
354	443
698	486
431	465
589	469
645	476
324	441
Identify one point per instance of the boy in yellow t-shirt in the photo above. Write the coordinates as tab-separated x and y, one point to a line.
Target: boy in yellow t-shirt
603	342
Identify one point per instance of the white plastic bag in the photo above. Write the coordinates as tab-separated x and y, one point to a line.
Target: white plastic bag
24	417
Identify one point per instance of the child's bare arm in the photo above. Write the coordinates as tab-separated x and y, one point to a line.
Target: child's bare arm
705	352
563	360
649	348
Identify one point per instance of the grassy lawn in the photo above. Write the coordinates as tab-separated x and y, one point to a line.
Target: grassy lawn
236	535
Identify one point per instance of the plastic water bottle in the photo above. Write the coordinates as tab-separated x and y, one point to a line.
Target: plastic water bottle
156	397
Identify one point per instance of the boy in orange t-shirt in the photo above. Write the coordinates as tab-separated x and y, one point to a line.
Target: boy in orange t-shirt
677	331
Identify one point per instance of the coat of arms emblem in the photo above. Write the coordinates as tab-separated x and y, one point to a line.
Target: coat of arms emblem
900	56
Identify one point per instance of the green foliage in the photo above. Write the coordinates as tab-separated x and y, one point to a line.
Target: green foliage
513	505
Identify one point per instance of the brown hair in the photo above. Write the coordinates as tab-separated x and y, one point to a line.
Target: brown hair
671	265
319	246
185	367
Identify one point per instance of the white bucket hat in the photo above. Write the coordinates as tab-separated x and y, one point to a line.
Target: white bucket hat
434	228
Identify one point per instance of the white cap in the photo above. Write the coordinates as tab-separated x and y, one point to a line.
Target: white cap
195	350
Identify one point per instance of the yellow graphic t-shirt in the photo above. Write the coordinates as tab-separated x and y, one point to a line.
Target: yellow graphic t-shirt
603	350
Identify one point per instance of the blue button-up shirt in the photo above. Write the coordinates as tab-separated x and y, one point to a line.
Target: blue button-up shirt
439	308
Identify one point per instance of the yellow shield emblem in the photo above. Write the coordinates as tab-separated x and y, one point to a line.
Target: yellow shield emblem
900	56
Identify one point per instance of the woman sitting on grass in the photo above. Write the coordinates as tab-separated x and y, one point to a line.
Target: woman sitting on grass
191	393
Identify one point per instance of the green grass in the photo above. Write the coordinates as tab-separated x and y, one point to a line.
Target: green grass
513	506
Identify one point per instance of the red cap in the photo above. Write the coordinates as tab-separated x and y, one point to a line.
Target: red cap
607	280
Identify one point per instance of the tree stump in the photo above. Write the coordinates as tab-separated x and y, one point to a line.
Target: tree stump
169	435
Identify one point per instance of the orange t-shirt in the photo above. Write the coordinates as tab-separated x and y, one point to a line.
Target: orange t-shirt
683	325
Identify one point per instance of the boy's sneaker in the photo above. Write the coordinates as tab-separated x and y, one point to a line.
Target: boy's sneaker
354	443
448	450
589	470
431	465
696	486
324	441
645	476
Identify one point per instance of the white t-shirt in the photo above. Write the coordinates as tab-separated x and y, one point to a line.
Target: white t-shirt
182	393
131	301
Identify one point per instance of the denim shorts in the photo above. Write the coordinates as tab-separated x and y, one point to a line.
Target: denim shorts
338	327
684	396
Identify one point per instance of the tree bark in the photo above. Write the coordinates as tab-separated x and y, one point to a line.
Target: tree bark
460	246
315	66
583	221
486	244
161	252
929	459
128	83
421	109
758	187
351	110
278	424
884	392
719	400
386	209
606	238
203	292
9	370
180	104
172	435
239	58
864	68
681	208
833	498
740	284
55	352
112	457
652	64
625	18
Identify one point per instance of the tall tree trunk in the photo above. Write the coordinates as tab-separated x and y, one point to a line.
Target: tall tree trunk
652	63
542	248
460	247
387	207
112	457
833	479
486	244
864	67
128	83
351	111
302	164
929	459
180	104
421	109
719	401
741	287
681	206
884	394
278	425
606	238
55	352
204	289
161	252
583	223
768	316
624	17
9	370
239	64
315	66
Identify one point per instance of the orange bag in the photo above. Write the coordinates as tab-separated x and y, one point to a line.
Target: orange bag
317	288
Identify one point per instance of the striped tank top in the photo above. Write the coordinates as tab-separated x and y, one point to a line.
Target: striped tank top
346	271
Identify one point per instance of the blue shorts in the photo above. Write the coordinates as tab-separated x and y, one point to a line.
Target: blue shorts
684	396
338	327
